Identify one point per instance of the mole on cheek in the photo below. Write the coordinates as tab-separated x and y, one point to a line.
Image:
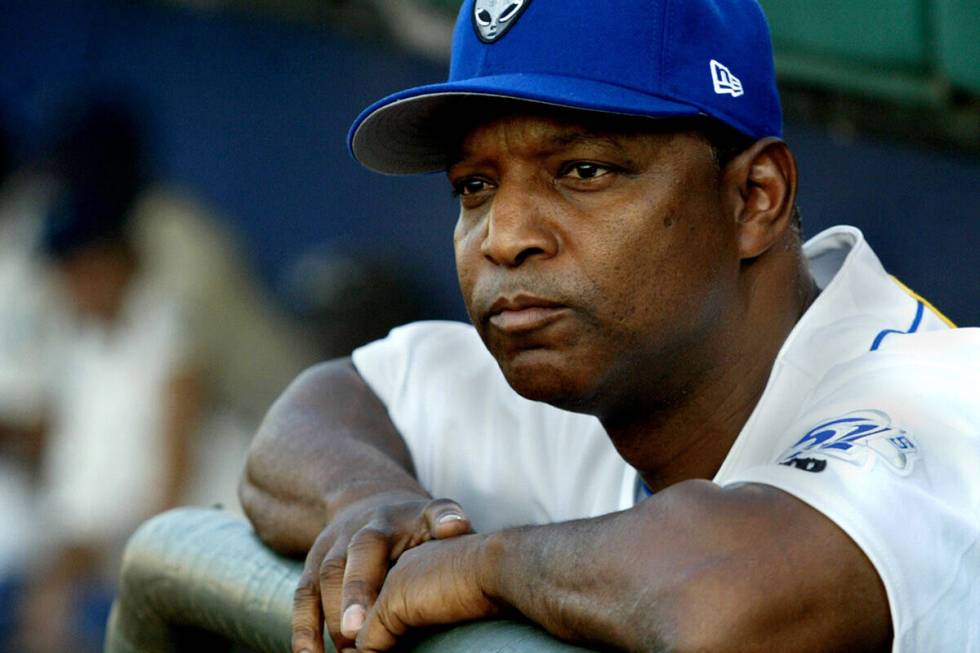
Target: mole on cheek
671	214
671	217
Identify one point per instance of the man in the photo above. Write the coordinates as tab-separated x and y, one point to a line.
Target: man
628	247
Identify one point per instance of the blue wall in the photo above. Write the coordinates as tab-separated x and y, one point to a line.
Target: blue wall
251	115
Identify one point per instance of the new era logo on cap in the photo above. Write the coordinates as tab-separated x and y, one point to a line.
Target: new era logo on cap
725	82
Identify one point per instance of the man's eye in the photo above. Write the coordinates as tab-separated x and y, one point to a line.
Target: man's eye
470	186
585	170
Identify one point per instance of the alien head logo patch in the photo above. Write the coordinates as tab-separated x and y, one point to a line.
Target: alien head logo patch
492	18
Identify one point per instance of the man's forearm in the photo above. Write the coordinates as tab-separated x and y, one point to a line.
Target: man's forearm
700	568
583	581
326	443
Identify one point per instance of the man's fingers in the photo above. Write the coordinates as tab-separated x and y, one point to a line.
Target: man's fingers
377	634
368	556
446	518
338	590
331	579
308	600
307	631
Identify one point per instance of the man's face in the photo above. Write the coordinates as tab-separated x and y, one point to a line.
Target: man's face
596	265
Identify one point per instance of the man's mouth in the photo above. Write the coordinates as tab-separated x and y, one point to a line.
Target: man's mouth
523	313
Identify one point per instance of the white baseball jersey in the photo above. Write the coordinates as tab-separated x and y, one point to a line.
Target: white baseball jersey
871	415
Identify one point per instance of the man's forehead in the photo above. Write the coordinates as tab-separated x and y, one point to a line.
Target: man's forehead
543	130
555	128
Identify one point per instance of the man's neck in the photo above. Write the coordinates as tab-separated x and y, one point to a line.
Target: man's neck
689	435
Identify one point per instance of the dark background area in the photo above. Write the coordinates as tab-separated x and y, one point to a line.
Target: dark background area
250	114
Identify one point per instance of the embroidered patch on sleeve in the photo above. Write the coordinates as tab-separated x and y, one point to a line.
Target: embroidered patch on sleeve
860	438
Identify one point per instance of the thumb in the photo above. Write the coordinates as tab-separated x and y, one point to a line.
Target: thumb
446	518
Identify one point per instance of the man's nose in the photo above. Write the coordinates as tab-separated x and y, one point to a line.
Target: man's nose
517	229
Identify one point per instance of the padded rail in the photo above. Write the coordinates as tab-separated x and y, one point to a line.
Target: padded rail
193	578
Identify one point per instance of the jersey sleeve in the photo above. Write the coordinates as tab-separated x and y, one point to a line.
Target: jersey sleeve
509	461
888	447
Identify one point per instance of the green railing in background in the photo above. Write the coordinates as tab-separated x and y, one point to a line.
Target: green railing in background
882	49
916	51
957	44
196	579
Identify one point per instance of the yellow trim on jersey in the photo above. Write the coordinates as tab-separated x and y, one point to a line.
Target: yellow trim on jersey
925	301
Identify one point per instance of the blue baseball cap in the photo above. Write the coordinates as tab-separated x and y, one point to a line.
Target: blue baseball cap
650	58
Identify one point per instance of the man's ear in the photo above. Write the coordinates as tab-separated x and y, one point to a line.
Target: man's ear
759	189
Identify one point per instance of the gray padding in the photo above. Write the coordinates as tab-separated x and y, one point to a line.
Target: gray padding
192	572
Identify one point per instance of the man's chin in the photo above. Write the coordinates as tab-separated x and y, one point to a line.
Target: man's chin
541	375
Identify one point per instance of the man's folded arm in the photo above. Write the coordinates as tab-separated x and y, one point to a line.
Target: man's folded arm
697	567
326	443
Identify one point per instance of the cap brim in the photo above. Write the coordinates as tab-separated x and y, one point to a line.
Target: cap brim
412	131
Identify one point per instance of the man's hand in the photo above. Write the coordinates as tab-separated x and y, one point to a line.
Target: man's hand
439	583
329	475
350	559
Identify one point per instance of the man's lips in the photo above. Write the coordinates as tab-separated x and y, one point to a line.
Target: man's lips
524	313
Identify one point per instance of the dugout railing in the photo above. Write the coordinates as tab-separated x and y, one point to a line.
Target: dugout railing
196	579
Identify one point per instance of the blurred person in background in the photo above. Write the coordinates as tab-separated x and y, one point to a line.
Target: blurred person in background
125	398
193	255
162	357
14	512
27	315
28	322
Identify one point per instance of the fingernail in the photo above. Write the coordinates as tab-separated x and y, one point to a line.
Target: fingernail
352	620
448	517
